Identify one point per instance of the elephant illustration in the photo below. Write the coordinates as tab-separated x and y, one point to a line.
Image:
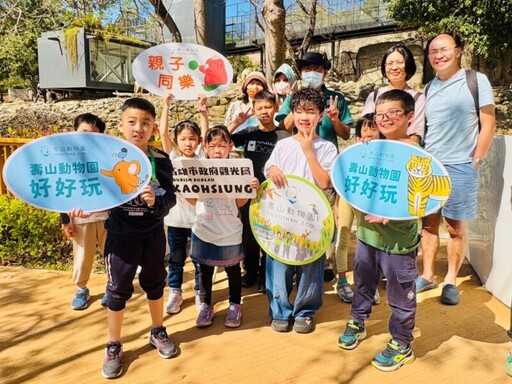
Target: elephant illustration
125	175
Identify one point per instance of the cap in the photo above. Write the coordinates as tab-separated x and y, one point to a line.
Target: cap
314	58
255	75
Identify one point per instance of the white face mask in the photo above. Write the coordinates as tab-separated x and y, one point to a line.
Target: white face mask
312	79
282	87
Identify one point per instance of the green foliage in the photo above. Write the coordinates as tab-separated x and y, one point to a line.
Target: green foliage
31	237
486	25
241	62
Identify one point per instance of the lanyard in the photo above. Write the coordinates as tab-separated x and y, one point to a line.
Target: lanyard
153	167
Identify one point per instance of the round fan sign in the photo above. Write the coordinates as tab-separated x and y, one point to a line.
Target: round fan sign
93	171
294	224
183	70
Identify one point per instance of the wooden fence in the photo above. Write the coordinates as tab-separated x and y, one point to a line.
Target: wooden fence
7	147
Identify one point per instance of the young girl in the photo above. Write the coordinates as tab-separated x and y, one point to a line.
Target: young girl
217	238
365	130
187	138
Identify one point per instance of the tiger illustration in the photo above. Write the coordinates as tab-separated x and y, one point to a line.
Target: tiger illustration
423	185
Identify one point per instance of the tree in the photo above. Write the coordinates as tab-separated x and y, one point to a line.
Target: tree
274	15
163	13
200	21
486	25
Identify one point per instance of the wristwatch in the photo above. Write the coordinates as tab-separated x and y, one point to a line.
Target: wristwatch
478	161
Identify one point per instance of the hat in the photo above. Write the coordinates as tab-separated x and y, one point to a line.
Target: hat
314	58
255	75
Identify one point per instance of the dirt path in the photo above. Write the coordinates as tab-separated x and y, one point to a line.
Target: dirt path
43	341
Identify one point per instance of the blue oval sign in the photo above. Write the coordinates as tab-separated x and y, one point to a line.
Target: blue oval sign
391	179
63	171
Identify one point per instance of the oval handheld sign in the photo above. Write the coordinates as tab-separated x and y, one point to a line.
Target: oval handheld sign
391	179
294	224
63	171
184	70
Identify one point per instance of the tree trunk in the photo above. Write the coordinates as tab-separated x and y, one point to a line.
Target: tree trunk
168	21
200	22
311	14
274	15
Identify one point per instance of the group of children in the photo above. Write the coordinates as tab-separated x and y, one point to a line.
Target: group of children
217	231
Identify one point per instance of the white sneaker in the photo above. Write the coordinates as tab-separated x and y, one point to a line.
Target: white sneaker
174	301
197	300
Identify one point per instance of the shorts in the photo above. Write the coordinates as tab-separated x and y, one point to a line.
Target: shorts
461	205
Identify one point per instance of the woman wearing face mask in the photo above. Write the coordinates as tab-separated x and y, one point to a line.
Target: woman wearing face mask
284	82
398	66
313	68
239	114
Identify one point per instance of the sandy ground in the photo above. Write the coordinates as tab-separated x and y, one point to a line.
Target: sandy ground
42	340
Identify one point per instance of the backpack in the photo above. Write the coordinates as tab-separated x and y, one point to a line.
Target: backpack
472	83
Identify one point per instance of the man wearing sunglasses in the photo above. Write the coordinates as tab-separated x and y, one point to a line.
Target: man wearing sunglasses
459	136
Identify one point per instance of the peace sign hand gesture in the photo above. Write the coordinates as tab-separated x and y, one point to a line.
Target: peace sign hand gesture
333	112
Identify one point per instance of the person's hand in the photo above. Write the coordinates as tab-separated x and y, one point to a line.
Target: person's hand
255	183
166	99
333	112
79	212
243	117
277	176
306	140
69	230
147	195
376	219
201	102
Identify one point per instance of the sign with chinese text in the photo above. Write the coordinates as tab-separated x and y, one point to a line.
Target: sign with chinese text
294	224
92	171
213	178
391	179
182	69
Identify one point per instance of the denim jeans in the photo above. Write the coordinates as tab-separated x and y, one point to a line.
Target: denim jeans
279	284
178	238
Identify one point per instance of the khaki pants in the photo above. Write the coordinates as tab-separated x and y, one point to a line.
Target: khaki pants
86	237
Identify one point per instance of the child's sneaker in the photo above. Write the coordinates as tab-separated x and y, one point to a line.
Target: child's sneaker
163	344
205	316
344	291
508	364
82	296
234	316
112	366
393	357
303	325
104	300
354	332
376	298
174	301
197	300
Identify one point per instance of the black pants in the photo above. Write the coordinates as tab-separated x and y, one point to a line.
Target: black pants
254	261
206	282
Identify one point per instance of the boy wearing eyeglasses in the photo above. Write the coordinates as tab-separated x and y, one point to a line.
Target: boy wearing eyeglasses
386	247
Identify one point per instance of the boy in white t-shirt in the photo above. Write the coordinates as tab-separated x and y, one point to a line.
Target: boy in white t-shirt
311	157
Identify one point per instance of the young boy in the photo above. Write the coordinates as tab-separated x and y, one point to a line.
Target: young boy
377	253
86	233
308	156
258	142
135	236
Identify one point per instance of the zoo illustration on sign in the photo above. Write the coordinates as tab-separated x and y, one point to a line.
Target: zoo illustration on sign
391	179
294	224
184	70
68	170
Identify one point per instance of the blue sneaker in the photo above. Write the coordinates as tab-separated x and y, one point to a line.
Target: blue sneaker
104	300
393	357
81	297
354	332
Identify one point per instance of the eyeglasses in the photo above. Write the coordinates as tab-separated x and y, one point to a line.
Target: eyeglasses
444	51
391	114
398	63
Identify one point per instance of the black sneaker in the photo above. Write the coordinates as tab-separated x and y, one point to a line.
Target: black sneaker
163	344
112	366
329	275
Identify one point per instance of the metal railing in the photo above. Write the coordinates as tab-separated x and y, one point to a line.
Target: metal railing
7	147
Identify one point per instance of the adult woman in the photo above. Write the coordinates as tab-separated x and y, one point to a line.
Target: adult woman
239	114
398	66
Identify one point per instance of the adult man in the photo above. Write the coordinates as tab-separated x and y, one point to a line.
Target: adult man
459	137
313	68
